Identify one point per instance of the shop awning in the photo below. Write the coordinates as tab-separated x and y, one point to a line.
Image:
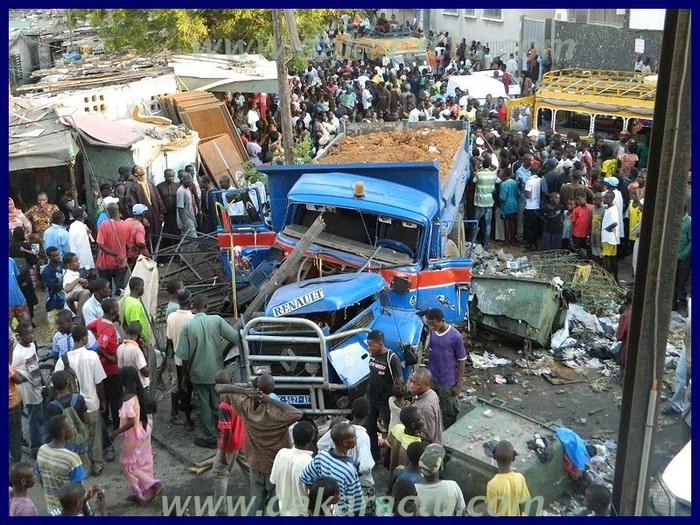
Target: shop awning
37	139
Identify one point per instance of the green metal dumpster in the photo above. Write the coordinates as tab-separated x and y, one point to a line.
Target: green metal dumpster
468	464
526	309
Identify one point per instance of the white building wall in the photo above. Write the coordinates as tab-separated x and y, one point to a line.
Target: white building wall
500	34
647	19
113	102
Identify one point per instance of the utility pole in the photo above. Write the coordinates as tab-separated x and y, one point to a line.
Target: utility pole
664	199
283	83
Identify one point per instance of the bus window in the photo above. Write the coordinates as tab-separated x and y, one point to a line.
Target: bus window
608	126
544	118
566	121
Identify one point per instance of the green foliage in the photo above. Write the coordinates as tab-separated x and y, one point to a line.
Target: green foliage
185	30
251	174
302	151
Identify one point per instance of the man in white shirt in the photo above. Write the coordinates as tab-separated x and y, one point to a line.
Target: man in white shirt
74	285
289	462
92	309
254	150
80	238
531	225
25	362
512	65
173	328
610	234
91	375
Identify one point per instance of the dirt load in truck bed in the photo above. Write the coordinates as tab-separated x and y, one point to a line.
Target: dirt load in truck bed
412	145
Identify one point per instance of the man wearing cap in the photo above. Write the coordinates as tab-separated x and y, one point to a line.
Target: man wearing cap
173	328
80	237
143	191
186	220
103	216
612	184
436	497
136	245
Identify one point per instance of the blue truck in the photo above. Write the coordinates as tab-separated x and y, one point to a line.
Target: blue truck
384	256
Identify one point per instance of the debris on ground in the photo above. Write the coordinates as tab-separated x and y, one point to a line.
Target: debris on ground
488	360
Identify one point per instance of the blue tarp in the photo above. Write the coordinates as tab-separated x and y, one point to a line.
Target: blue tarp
574	447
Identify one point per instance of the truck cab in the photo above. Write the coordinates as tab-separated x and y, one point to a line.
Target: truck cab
312	339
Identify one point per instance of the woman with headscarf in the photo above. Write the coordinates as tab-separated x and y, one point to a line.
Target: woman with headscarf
17	218
26	260
135	426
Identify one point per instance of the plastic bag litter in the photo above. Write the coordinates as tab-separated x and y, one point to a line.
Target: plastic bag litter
488	360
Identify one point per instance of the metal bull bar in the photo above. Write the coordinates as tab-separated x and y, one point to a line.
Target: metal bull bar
315	385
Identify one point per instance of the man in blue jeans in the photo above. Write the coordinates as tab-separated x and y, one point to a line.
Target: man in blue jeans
25	362
485	180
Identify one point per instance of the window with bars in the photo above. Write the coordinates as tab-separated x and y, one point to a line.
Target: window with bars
15	69
450	12
496	14
610	17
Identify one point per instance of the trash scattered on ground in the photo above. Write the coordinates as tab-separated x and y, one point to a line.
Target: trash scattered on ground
488	360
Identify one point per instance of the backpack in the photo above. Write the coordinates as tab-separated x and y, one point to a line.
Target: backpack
80	442
73	383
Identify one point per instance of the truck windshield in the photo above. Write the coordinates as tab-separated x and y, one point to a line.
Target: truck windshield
357	232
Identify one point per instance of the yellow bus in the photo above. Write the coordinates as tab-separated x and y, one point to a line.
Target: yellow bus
591	102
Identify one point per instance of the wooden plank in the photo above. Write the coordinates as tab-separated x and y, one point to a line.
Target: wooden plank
220	157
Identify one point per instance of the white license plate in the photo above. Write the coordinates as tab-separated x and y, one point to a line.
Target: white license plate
295	399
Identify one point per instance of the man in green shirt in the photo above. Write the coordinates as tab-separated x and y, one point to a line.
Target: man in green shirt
202	357
485	180
134	311
680	301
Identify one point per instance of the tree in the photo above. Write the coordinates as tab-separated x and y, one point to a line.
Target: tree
186	30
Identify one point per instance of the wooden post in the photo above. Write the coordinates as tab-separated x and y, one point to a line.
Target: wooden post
283	83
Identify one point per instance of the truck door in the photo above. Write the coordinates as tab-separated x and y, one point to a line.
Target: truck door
445	282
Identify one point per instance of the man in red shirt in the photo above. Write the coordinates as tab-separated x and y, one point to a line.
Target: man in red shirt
229	447
136	244
581	223
112	238
108	342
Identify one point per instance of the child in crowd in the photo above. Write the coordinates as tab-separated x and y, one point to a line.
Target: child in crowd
552	216
597	214
74	285
400	399
22	477
230	444
173	286
506	492
610	235
597	501
581	225
634	215
567	225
